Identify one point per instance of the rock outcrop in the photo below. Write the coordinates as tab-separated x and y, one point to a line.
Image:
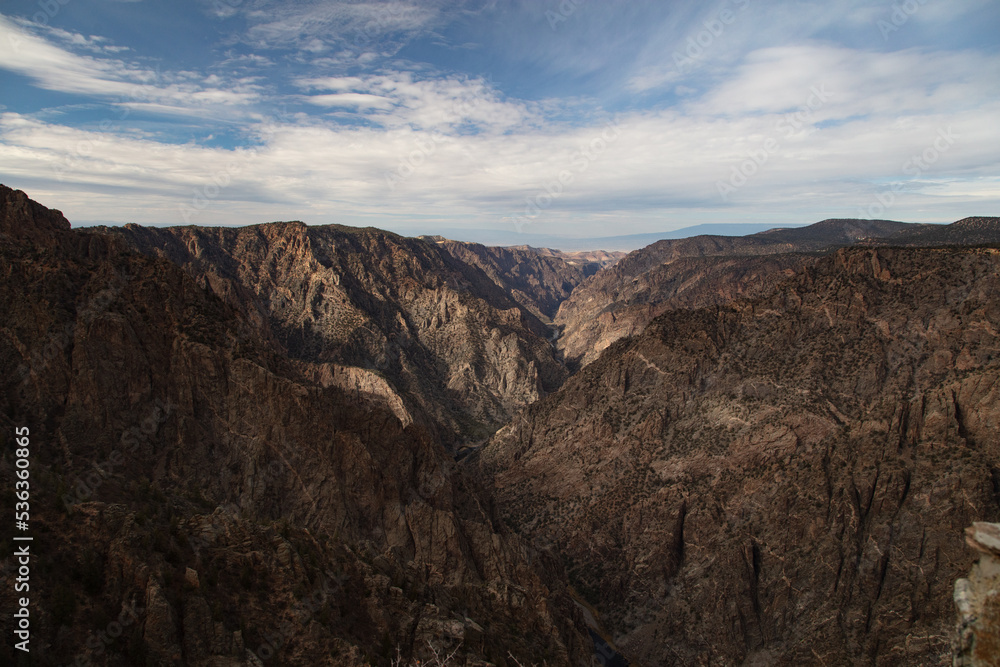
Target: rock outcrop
777	480
199	498
977	640
596	315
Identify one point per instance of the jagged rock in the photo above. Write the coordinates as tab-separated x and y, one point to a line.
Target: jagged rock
437	338
977	636
777	480
253	511
708	270
539	279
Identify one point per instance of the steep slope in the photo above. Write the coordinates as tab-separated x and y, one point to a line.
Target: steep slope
967	231
539	282
623	299
590	261
445	343
195	498
596	317
779	481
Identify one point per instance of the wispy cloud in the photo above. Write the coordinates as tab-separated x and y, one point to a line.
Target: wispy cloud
320	26
55	68
324	119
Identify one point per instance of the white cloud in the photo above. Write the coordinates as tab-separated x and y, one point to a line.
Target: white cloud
454	148
311	25
356	100
55	68
860	82
424	103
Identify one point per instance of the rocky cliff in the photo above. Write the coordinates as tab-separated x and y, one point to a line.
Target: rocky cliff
779	480
601	312
200	498
539	281
977	637
622	300
454	348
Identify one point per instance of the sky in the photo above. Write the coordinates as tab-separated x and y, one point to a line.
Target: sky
571	118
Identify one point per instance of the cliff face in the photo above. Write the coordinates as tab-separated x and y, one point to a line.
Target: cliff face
453	348
688	273
538	281
977	636
780	480
601	312
199	498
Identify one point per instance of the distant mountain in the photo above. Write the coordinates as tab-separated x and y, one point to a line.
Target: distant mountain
677	272
626	242
968	231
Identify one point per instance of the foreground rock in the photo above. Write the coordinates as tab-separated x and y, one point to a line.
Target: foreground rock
978	601
199	498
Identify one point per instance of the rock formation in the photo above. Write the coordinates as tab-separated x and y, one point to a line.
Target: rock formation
199	498
456	349
777	480
977	640
537	278
675	273
243	445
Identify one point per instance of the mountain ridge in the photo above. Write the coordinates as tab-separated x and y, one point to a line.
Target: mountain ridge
194	490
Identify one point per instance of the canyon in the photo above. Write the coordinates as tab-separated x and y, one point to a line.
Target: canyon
294	444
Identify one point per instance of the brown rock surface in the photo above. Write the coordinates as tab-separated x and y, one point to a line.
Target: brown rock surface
537	278
977	640
199	498
780	480
674	273
458	350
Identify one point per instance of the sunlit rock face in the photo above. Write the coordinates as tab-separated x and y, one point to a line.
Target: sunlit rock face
977	637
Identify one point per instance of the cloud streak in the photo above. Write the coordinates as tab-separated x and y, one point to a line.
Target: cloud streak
397	142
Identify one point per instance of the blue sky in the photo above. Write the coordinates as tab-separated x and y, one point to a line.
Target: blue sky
561	117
